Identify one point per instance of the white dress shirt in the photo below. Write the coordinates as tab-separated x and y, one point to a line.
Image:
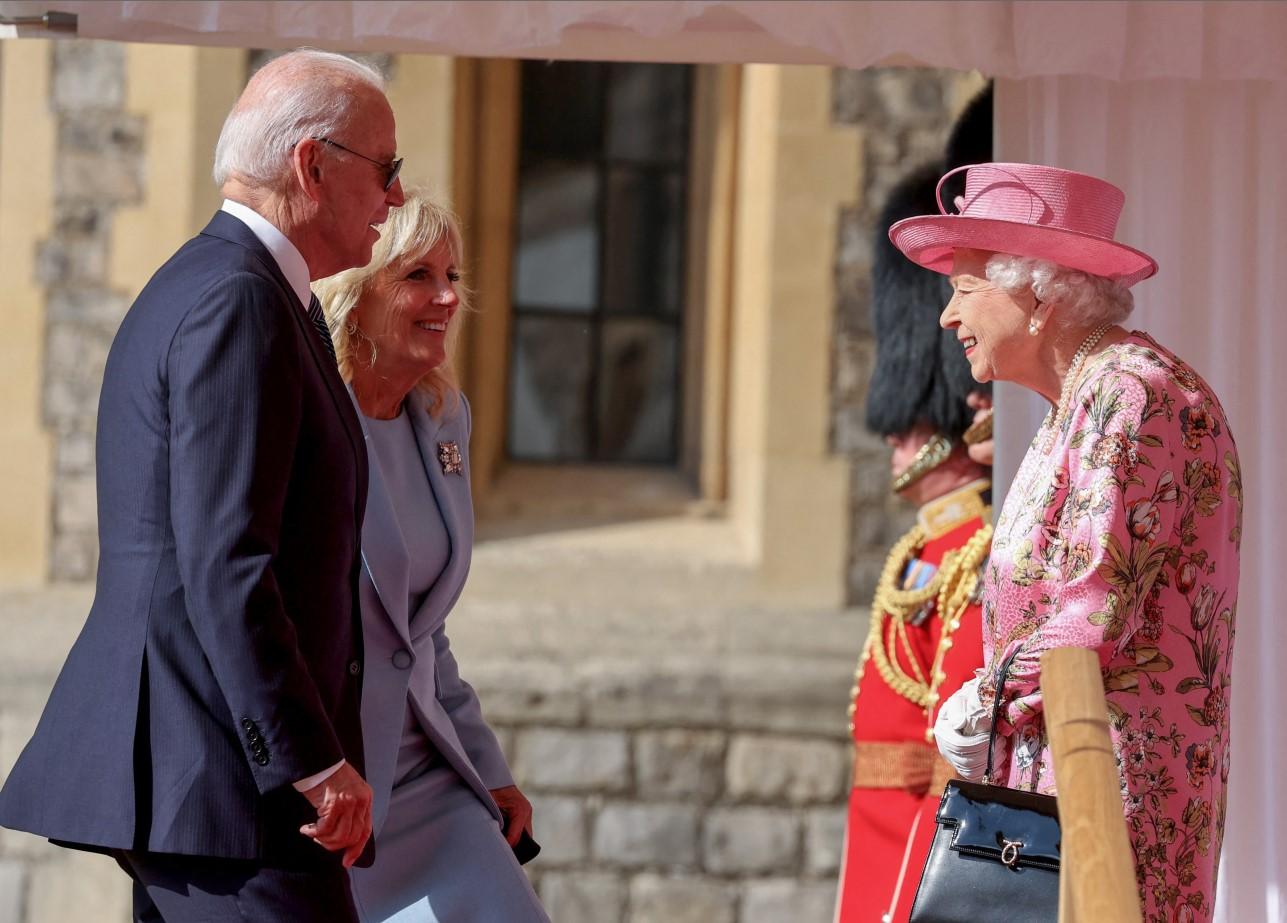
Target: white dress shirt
293	267
288	259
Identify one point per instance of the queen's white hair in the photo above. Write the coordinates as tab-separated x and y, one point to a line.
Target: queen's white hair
299	95
1077	297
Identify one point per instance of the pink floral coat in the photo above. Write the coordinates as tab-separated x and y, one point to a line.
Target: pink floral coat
1124	539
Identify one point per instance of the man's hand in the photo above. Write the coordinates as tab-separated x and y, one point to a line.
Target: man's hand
516	810
981	404
343	805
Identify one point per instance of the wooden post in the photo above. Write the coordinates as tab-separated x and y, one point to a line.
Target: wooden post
1097	876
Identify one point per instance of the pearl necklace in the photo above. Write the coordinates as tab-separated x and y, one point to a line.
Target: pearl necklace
1055	420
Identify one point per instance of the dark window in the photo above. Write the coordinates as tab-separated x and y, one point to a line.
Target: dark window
599	262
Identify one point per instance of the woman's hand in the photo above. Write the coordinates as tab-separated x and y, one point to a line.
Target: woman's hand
961	731
516	810
981	404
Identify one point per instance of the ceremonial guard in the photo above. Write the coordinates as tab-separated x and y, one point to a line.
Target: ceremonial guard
925	635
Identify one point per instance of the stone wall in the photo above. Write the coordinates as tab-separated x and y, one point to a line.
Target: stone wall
99	167
669	795
904	115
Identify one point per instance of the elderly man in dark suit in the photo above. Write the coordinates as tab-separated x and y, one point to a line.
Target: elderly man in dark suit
205	727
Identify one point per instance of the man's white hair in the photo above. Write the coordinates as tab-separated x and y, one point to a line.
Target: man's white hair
302	94
1078	297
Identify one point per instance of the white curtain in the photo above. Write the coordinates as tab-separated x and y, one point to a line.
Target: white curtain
1202	164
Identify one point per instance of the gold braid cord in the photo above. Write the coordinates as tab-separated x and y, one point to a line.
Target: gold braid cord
932	454
951	590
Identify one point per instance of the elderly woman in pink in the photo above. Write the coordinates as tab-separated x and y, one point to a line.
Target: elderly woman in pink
1120	532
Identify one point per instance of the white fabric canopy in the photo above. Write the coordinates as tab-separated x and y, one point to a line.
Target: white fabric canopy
1230	39
1202	167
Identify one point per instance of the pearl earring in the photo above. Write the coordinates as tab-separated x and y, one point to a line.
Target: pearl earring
1034	328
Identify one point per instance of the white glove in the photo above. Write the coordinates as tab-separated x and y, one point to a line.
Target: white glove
962	730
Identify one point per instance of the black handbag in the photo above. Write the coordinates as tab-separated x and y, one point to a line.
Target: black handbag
995	855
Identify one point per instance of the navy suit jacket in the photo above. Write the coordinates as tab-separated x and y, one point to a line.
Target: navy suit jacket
222	658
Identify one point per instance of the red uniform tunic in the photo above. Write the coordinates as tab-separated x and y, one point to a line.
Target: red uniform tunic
898	774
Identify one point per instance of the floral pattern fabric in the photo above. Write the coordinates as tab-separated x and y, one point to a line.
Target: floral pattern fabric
1124	538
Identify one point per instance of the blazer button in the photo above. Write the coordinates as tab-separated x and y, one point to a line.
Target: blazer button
261	759
247	724
354	668
402	658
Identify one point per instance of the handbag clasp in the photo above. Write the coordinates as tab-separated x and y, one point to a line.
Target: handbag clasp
1010	852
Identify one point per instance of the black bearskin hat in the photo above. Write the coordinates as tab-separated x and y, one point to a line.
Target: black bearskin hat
921	372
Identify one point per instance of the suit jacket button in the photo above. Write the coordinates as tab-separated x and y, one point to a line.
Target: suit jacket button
402	658
354	668
248	725
261	759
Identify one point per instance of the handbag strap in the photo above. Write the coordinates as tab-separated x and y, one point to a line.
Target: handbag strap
997	706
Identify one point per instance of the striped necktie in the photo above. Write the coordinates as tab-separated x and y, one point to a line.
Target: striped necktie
315	315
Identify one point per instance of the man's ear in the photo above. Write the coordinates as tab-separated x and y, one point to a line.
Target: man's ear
308	164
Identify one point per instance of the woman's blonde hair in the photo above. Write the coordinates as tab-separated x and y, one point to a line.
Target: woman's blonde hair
413	229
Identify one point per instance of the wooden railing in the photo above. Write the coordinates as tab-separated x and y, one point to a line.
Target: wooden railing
1097	867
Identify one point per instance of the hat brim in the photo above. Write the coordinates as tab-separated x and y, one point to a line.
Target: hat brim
932	240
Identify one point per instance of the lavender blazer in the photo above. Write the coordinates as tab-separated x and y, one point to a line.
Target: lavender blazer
408	653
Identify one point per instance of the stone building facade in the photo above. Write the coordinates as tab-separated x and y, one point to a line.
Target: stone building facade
667	789
99	166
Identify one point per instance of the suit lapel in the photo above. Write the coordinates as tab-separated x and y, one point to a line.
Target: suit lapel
454	502
227	227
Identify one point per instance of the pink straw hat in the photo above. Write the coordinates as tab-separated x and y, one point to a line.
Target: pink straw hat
1027	210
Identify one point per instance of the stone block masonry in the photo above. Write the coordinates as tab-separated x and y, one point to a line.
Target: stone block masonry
647	814
690	762
99	166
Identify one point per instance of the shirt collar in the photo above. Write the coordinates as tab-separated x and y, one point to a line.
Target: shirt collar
283	252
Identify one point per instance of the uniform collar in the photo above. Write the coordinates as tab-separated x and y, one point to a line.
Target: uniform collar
952	510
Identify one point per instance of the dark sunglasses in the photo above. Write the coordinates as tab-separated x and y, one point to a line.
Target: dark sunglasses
391	170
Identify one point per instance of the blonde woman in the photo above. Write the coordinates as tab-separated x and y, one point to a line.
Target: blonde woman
446	814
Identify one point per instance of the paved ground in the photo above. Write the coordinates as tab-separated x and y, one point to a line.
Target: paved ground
662	608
